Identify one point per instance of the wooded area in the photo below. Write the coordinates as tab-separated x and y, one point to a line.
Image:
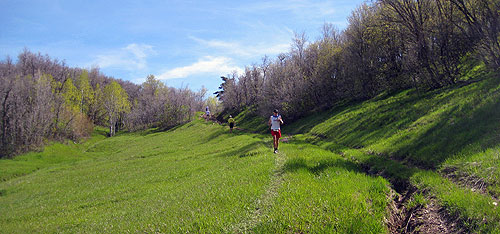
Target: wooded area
43	99
388	45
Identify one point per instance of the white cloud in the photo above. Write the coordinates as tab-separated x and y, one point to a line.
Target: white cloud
208	64
248	51
301	8
131	57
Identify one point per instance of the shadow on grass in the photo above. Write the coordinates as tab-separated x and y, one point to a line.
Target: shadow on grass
156	129
367	122
425	129
316	168
395	172
101	131
242	152
251	122
473	124
307	123
223	132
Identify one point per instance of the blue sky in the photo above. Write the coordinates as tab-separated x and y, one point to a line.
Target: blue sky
184	43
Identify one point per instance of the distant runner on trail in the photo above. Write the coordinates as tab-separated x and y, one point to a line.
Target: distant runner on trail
207	113
275	121
231	123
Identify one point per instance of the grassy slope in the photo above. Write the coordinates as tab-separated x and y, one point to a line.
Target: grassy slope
200	178
418	137
53	155
324	193
193	178
196	178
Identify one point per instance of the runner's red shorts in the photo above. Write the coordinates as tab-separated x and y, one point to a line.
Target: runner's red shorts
276	133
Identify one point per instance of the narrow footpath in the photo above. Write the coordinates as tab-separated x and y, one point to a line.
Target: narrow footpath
265	201
431	218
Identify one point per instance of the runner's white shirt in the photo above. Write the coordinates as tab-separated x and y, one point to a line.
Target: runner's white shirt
275	123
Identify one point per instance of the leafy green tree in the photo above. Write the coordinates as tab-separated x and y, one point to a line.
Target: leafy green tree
115	102
96	107
213	104
71	95
86	92
152	86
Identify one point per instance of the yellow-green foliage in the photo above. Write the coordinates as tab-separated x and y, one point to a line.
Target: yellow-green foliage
115	99
86	92
71	95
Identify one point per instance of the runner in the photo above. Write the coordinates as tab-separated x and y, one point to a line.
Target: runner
275	122
231	123
207	113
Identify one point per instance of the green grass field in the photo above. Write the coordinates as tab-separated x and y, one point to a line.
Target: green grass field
445	142
195	178
323	193
336	172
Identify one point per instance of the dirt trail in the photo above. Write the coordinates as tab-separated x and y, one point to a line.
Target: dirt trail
265	201
428	218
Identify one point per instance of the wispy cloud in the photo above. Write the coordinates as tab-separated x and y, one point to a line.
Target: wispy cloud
302	8
239	49
208	64
131	57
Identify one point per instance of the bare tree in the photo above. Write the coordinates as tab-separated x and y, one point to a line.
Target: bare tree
388	45
483	20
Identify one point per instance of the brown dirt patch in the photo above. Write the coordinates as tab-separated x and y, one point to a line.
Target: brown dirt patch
429	218
472	182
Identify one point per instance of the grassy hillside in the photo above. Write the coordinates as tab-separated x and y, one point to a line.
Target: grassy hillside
195	178
324	193
445	143
337	172
442	146
53	155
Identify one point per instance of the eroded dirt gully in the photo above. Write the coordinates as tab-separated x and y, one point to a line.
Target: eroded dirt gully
452	173
428	218
472	182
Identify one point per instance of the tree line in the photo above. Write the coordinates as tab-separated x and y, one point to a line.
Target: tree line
388	45
43	99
